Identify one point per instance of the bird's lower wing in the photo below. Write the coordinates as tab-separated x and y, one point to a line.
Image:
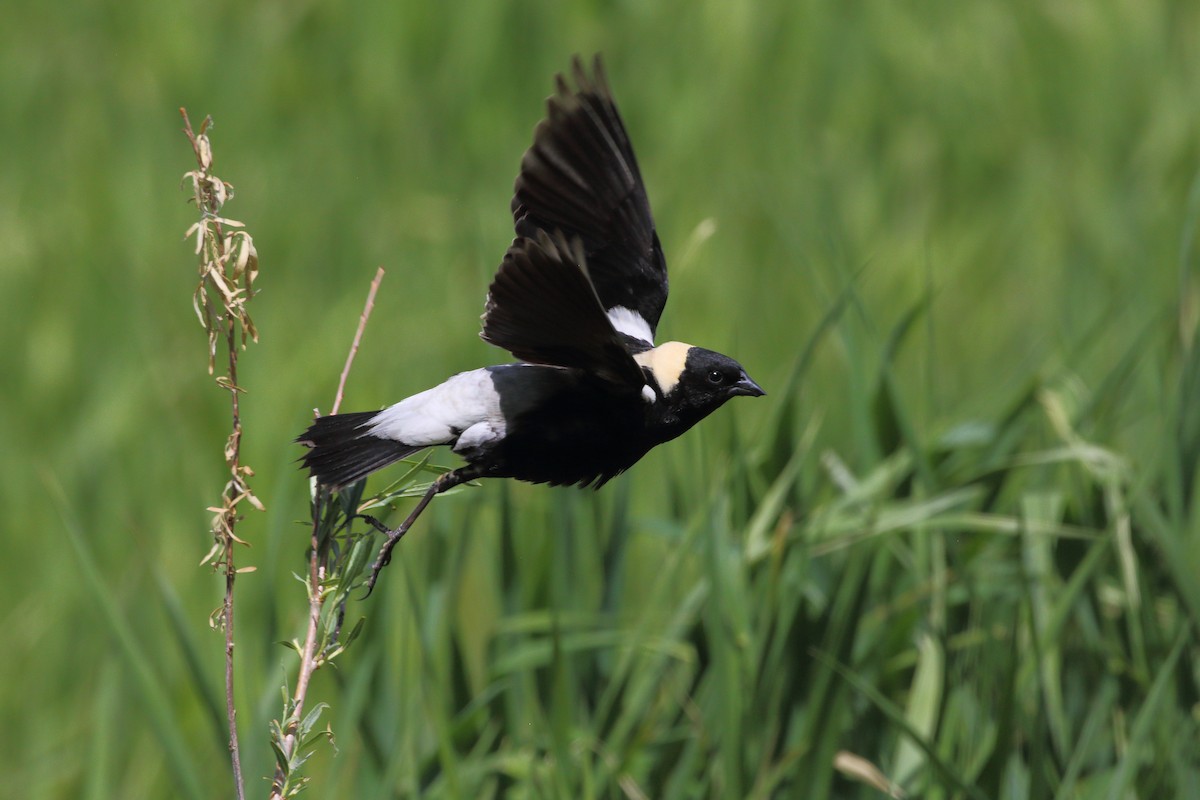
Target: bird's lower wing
543	309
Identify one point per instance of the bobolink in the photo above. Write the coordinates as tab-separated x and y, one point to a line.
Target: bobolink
577	299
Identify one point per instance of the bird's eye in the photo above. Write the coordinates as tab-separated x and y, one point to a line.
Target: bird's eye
716	377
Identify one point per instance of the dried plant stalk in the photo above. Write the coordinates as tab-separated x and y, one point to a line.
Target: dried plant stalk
321	641
228	269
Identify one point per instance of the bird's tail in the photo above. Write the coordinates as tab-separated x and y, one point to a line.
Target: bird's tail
342	451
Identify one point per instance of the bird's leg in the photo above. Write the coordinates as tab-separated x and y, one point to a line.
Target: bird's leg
444	481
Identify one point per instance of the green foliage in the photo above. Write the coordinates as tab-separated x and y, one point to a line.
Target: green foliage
955	551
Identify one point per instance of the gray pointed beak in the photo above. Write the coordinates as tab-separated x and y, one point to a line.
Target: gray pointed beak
746	386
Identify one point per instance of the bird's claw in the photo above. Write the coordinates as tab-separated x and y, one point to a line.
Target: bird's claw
385	552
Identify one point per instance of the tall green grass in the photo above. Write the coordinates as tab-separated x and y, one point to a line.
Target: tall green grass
957	541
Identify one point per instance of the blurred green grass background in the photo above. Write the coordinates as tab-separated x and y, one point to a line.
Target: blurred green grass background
958	539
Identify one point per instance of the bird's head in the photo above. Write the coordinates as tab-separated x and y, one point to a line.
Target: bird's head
693	381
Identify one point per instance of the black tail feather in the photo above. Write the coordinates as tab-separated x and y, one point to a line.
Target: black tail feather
341	451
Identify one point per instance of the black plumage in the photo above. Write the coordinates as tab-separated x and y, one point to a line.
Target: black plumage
339	454
542	308
577	298
580	178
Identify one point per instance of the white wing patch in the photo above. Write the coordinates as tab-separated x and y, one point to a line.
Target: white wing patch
666	363
631	323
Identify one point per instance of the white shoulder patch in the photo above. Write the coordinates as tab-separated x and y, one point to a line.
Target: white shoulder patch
630	323
666	363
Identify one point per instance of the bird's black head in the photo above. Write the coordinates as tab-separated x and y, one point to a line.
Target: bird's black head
694	382
708	379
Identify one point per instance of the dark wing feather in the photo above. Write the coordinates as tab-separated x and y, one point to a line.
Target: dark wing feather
542	308
580	177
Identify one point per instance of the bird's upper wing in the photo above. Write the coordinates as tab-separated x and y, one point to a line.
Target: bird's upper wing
542	308
580	177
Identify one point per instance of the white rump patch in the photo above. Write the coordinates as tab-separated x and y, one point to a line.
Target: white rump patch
439	415
630	323
666	363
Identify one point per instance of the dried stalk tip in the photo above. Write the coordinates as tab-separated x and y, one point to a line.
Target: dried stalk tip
228	267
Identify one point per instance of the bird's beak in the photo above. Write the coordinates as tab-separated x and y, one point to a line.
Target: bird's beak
746	386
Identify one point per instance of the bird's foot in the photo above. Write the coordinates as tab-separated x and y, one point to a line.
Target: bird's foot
385	552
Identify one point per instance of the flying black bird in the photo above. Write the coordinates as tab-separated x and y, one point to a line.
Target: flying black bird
577	299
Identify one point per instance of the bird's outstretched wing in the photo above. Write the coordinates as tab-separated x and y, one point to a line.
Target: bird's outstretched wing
542	308
580	177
